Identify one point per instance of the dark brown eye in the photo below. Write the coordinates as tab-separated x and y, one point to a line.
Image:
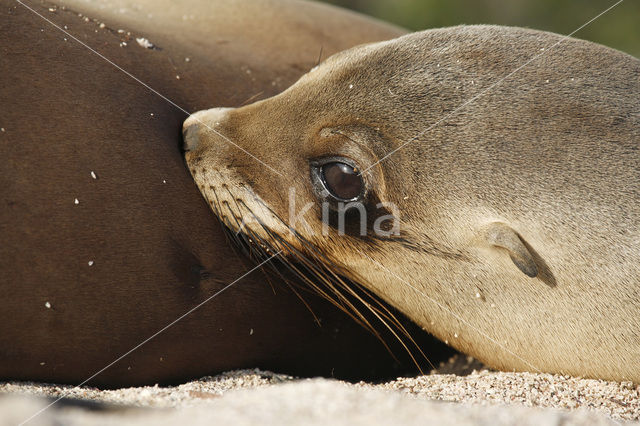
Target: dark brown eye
341	180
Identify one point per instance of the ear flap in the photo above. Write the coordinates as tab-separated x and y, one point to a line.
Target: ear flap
502	235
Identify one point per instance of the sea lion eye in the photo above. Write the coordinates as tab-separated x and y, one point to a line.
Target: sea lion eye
341	180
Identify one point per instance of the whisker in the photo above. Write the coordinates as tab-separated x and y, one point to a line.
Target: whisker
319	56
286	262
317	271
251	98
263	253
380	311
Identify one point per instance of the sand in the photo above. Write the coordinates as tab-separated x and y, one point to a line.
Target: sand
259	397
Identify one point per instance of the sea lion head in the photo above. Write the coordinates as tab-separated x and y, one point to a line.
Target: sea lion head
336	167
447	171
305	165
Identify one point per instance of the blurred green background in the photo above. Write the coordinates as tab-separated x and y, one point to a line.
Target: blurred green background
618	28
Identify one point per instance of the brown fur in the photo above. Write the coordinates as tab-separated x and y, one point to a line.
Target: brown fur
538	177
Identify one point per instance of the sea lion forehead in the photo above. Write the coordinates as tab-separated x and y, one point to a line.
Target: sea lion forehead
377	55
405	53
369	65
345	62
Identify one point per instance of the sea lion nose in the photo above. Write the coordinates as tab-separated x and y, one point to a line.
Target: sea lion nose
199	123
200	126
190	134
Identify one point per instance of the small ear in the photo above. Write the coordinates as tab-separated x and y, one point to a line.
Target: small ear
502	235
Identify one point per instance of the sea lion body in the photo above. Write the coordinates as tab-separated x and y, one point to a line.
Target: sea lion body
83	283
508	157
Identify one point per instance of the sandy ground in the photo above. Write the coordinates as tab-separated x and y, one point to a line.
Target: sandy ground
258	397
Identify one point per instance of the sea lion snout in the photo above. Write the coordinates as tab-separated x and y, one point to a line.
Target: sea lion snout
199	122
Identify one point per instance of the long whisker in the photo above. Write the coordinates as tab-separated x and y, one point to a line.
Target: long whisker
317	271
383	316
285	261
380	311
217	207
264	254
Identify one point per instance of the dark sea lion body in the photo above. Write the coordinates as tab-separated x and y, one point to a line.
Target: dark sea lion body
155	248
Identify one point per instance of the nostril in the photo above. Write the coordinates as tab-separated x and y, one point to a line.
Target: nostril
190	137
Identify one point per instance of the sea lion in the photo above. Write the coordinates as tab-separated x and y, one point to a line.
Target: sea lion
83	282
501	166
